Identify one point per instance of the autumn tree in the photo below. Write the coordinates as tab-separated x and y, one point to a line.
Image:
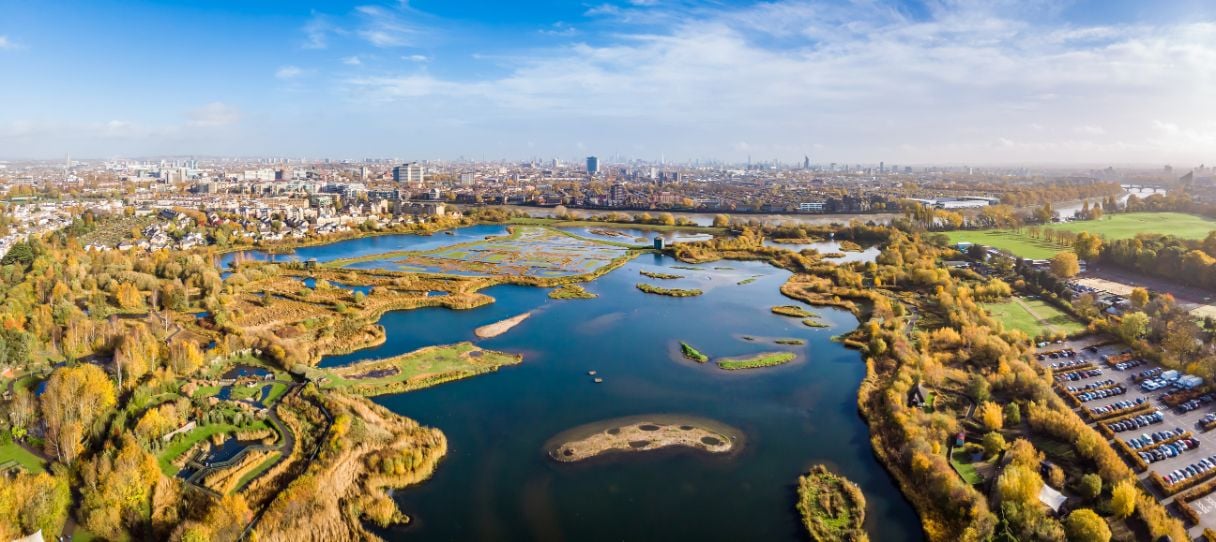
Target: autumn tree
117	488
1087	246
75	397
993	443
1065	265
1091	486
184	357
1085	526
1123	499
721	221
1133	326
1139	297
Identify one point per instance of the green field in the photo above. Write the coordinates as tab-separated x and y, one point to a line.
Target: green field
961	461
1119	226
12	453
414	370
1045	319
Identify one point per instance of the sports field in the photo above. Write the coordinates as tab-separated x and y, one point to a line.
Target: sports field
1034	317
1119	226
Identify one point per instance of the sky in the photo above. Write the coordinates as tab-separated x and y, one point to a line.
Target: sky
862	81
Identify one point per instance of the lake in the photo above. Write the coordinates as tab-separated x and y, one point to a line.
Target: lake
497	483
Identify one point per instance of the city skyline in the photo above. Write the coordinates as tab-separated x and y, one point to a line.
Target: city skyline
900	82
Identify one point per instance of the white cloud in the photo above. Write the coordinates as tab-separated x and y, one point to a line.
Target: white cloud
316	32
8	44
416	58
288	72
863	76
387	28
559	29
352	61
213	114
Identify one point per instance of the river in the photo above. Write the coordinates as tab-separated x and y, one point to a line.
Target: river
497	483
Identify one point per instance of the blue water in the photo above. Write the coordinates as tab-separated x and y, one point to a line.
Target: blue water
354	248
496	482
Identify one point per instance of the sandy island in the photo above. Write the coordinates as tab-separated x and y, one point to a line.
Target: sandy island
498	328
642	434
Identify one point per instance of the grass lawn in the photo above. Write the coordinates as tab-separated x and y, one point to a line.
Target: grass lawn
1117	226
16	454
1045	319
961	461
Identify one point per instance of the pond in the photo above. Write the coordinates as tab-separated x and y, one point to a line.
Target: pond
310	282
497	482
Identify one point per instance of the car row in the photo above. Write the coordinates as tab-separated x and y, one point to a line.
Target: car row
1142	420
1068	364
1079	375
1065	353
1101	394
1117	406
1147	440
1091	386
1147	373
1190	471
1125	365
1166	451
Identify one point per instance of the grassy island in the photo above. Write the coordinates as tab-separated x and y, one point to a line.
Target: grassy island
793	342
813	322
415	370
671	292
849	246
793	311
768	359
832	507
693	353
660	276
571	291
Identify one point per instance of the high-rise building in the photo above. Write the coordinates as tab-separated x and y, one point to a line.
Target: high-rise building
593	165
412	172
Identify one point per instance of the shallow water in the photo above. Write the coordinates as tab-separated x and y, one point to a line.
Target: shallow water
353	248
497	483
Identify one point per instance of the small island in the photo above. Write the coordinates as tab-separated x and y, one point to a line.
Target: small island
692	353
643	434
849	246
768	359
832	507
790	342
671	292
500	327
571	291
660	276
792	311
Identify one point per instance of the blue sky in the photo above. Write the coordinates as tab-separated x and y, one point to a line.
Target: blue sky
915	81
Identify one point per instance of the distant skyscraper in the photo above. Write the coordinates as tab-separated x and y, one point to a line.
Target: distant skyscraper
806	162
882	167
593	165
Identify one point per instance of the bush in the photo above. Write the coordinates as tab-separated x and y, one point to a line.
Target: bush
1091	486
1013	414
1085	526
994	443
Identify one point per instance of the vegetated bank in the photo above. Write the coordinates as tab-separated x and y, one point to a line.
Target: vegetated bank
792	311
832	508
660	276
670	292
571	291
693	353
411	371
767	359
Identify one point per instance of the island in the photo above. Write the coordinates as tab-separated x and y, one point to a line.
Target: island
643	433
768	359
671	292
415	370
571	291
792	311
832	507
692	353
502	326
660	276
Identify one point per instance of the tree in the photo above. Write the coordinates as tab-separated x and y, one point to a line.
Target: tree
1013	414
1085	526
74	398
1091	486
991	416
1019	485
993	443
977	388
1139	297
721	221
1123	499
1087	246
1133	326
184	357
128	296
1065	265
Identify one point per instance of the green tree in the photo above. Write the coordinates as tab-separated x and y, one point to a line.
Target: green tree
1091	486
993	443
1013	414
1133	326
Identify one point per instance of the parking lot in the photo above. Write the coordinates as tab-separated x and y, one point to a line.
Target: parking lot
1172	441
